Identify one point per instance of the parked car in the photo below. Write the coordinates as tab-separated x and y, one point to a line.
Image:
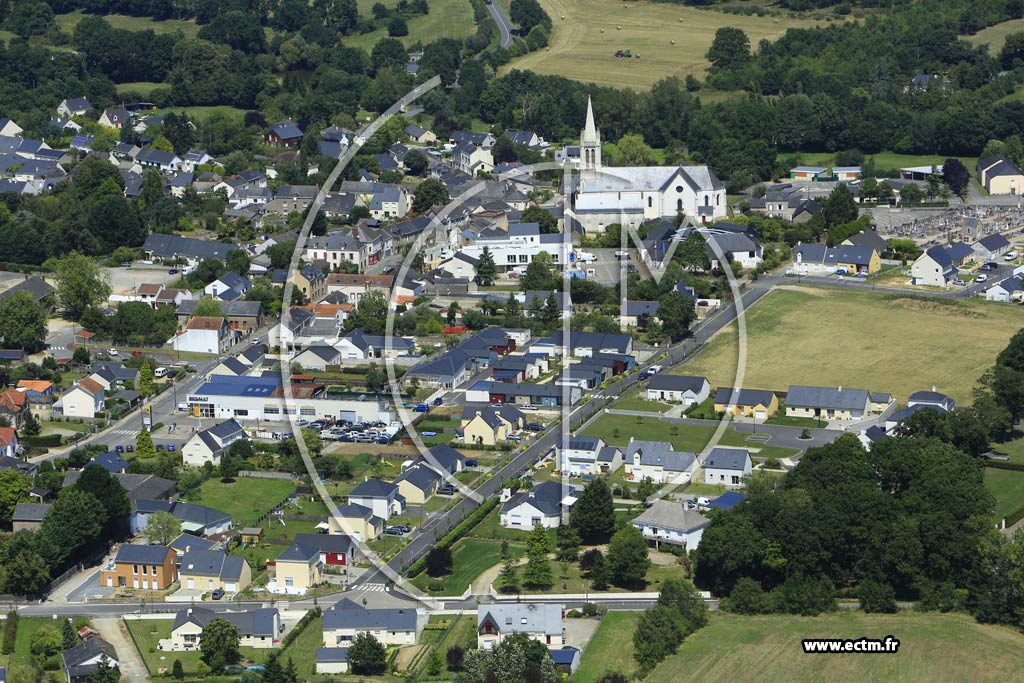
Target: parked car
130	448
472	462
119	448
159	446
112	352
421	408
1011	256
840	271
438	401
446	490
302	422
959	283
170	447
981	278
404	528
126	264
316	425
172	271
644	375
217	593
535	426
392	531
514	437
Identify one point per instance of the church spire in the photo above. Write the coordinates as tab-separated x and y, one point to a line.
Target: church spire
590	130
590	141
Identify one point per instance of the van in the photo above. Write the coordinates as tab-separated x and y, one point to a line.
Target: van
586	257
160	372
622	255
182	407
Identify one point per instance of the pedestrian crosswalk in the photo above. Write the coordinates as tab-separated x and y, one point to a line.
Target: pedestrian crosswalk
125	432
372	587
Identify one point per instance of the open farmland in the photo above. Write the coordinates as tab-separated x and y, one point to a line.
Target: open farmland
447	19
934	648
583	44
867	340
994	36
68	22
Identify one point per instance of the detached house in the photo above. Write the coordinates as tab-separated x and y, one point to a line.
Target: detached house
673	523
539	621
1000	175
659	461
208	570
686	389
146	567
78	106
756	403
204	335
543	505
296	570
284	134
84	400
933	268
208	445
583	455
991	247
727	466
81	661
489	425
826	403
357	521
381	497
257	628
346	619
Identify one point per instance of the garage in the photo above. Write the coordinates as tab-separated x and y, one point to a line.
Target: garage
760	415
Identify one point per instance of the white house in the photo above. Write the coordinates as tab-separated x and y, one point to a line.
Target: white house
346	619
204	335
208	445
933	268
381	497
686	389
1010	289
80	662
992	246
582	455
659	461
543	505
539	621
83	400
258	628
671	522
727	466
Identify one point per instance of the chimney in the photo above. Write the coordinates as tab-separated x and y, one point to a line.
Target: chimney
840	387
934	389
189	611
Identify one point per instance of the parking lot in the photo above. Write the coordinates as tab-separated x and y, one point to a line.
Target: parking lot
126	281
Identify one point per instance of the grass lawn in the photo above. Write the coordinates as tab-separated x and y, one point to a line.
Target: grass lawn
1008	488
611	648
447	19
302	650
148	632
825	337
583	44
27	627
246	498
1014	449
994	36
68	22
884	160
636	401
143	88
739	648
470	558
616	430
205	113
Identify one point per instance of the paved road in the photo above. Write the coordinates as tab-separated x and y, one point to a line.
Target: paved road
973	288
504	25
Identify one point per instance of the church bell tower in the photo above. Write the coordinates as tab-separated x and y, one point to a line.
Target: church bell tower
590	142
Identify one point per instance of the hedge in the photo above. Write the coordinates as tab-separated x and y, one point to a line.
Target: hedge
460	530
306	619
10	632
46	441
1005	465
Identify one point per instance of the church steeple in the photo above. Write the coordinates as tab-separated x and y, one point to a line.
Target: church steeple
590	141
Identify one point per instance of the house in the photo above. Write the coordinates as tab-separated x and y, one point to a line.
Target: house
283	134
357	521
729	467
685	389
196	519
381	497
9	446
472	159
759	404
10	128
543	505
845	174
826	403
1010	289
357	345
38	391
332	660
448	371
809	173
312	282
1000	175
171	247
419	135
317	357
208	445
539	621
17	464
145	567
115	117
582	455
960	253
671	522
336	550
111	462
257	628
933	268
931	399
736	247
658	461
489	425
228	286
991	246
344	620
29	516
78	106
165	162
207	570
114	376
230	366
417	484
204	334
297	569
83	400
80	662
545	396
40	290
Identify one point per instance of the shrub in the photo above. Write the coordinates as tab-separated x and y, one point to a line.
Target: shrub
10	632
747	597
876	596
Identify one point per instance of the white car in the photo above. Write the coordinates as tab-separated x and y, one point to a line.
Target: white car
112	352
1011	256
981	278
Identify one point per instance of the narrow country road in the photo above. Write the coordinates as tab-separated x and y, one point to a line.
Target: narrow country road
504	25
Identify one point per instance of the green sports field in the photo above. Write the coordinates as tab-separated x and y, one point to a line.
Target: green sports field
866	340
583	44
934	648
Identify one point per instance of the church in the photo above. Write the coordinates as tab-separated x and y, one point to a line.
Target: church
631	195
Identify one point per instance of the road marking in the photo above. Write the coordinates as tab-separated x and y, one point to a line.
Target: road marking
373	587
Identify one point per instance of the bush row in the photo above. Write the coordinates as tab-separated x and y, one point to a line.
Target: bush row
10	632
305	621
460	530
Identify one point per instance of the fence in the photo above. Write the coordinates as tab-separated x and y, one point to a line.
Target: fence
255	474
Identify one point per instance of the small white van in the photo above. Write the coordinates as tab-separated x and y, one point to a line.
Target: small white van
160	372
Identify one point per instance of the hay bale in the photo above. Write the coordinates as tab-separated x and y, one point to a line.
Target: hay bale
619	27
672	41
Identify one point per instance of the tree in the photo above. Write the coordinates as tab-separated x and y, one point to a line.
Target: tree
747	597
677	313
551	313
163	527
207	308
729	49
219	644
628	557
177	671
454	657
682	597
144	447
508	579
68	637
692	253
45	642
657	635
453	313
81	356
633	151
280	254
238	261
22	322
527	14
97	481
397	27
366	655
1012	54
439	561
547	223
30	425
70	525
840	207
27	573
14	488
147	382
80	284
416	162
486	270
540	275
431	192
955	174
876	596
538	570
593	515
568	542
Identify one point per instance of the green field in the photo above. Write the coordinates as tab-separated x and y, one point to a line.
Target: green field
636	401
827	337
205	113
583	44
611	648
1008	488
68	22
471	557
617	429
884	160
143	88
1014	449
995	35
245	498
447	19
934	648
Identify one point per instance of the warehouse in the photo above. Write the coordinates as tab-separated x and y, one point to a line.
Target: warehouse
262	398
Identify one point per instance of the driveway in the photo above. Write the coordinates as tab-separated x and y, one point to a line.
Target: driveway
129	661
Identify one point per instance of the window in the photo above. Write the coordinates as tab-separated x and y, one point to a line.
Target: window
511	258
240	412
679	205
135	569
271	410
289	581
679	189
650	201
307	411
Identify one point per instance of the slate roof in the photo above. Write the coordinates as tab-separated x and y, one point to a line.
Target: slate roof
995	241
543	618
286	130
88	649
331	655
826	398
30	512
421	477
660	454
141	554
256	622
373	488
111	462
666	382
727	459
204	562
743	397
346	614
666	514
298	552
199	514
326	543
727	500
168	246
546	496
